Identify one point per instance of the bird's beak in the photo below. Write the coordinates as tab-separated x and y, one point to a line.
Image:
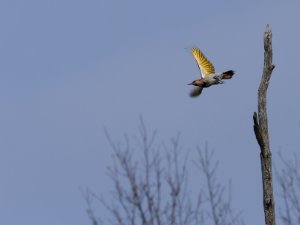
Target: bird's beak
190	83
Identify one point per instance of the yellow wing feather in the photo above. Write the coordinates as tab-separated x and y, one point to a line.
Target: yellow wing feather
205	66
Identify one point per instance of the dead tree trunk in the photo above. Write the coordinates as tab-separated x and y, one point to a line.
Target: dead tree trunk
262	133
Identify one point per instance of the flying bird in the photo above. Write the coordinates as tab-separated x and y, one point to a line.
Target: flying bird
208	75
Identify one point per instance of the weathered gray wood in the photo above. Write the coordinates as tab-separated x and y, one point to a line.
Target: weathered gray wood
262	133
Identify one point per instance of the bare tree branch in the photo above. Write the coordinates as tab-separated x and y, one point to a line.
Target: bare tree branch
289	183
150	186
152	190
220	210
262	133
88	196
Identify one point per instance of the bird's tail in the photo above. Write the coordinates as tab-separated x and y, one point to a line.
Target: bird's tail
228	74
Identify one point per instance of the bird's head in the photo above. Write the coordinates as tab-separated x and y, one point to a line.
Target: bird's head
198	83
193	83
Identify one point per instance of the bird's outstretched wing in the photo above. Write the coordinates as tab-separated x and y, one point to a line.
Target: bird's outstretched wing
205	66
196	91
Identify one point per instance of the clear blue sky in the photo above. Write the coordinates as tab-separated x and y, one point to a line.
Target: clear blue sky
70	68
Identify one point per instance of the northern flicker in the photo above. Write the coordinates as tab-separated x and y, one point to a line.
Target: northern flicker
208	75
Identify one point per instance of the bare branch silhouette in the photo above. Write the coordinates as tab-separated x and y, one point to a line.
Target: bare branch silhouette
220	210
150	186
289	183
